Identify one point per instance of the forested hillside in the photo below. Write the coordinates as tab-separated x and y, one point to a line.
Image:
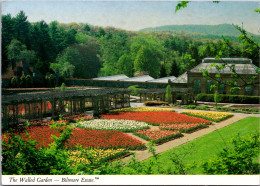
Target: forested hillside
202	31
218	30
86	51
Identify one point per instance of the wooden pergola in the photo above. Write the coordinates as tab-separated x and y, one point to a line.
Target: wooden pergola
186	95
31	106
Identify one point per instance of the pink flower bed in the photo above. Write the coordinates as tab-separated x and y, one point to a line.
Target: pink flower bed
183	127
157	135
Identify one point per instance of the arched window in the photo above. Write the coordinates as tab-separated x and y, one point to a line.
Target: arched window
197	87
222	87
208	85
249	90
235	88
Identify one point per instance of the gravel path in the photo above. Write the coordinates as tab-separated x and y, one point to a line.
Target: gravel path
143	155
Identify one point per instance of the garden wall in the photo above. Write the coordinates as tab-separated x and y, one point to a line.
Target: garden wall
118	84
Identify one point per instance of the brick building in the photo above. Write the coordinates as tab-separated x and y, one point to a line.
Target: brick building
243	67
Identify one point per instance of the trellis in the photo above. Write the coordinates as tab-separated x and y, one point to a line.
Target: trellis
185	94
26	107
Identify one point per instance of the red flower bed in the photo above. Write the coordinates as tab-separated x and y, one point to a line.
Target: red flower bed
103	139
156	118
78	117
157	135
84	137
41	134
183	127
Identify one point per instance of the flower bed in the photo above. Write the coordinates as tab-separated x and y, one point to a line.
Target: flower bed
213	116
141	109
113	124
156	118
88	138
157	136
95	155
187	128
41	134
77	118
81	137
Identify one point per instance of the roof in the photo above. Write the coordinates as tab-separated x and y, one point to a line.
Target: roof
182	78
173	89
67	94
138	78
163	80
228	60
115	77
242	66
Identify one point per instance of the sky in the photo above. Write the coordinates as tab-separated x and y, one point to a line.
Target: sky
136	15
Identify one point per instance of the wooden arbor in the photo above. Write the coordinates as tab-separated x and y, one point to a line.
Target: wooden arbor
185	94
22	107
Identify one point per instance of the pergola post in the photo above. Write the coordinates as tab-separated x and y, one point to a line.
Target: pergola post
29	111
5	115
52	108
123	100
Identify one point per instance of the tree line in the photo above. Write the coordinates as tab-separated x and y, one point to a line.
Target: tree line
86	51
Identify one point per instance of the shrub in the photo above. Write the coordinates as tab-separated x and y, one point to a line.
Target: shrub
14	82
237	158
203	108
63	87
229	98
28	81
50	80
226	109
152	103
134	89
168	94
216	97
23	81
190	106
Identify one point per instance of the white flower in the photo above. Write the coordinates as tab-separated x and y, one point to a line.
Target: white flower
113	124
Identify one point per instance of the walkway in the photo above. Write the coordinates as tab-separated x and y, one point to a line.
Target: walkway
143	155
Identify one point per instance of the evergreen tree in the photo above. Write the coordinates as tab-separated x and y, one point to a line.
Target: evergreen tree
174	70
22	29
163	71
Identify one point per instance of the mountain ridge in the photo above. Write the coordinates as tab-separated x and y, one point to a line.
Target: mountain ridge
218	30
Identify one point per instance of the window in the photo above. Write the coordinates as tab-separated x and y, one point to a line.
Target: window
235	88
249	90
208	85
197	87
222	87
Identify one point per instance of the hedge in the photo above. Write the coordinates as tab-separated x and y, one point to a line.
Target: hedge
229	98
155	103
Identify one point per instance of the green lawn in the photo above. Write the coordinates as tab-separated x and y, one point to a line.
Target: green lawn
206	147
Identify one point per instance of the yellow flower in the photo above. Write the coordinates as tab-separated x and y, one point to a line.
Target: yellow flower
217	116
141	109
